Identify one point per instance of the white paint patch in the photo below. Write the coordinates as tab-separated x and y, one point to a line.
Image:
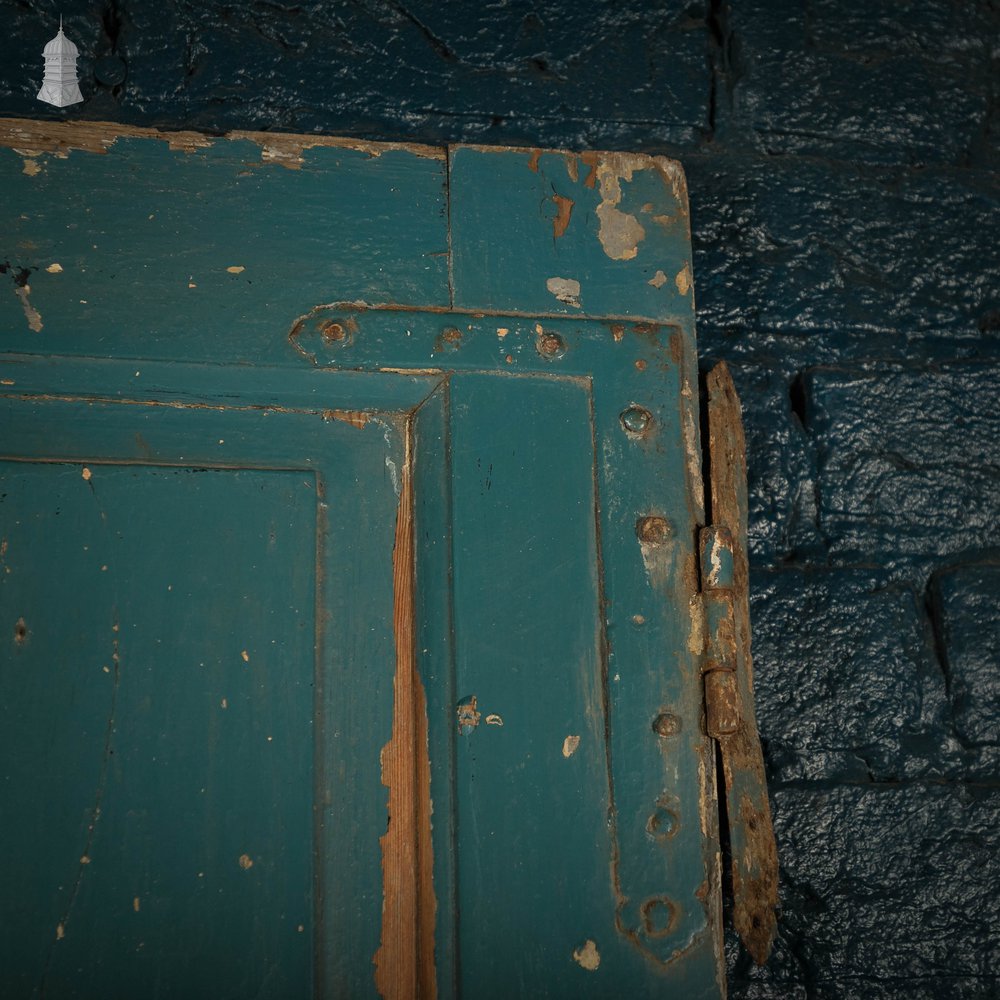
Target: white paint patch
658	561
393	473
693	453
588	957
389	463
569	745
715	559
673	173
565	290
31	314
620	233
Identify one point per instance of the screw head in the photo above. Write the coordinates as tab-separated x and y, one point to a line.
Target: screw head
332	331
550	345
666	724
652	530
636	420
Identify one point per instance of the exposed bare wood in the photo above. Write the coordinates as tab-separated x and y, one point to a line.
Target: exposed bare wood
404	962
30	138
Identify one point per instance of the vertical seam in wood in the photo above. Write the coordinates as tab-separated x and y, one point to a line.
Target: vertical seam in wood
451	253
404	962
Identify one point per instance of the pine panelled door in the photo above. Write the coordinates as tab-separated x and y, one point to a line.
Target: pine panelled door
372	575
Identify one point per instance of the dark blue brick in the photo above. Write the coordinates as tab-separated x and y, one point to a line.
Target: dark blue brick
850	263
880	82
549	73
781	472
908	461
967	603
847	684
887	891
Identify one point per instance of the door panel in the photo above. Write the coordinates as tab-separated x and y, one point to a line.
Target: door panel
195	691
178	696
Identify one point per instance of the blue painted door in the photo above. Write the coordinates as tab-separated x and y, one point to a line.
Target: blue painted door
356	629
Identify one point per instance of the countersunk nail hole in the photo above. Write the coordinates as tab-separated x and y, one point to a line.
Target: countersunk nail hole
652	530
332	332
658	916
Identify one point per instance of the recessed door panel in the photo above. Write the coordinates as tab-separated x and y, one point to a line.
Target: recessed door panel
157	720
196	684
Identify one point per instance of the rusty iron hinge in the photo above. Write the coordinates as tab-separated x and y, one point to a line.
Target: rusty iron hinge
722	697
728	672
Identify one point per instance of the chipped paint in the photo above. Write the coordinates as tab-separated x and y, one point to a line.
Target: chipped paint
494	720
468	715
565	290
570	745
564	211
683	279
673	173
31	168
449	339
620	233
245	862
31	314
32	138
236	269
692	454
696	628
393	474
715	559
658	280
356	418
404	961
659	559
54	268
587	956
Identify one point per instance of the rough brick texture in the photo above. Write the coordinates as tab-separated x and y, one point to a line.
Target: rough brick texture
878	880
842	161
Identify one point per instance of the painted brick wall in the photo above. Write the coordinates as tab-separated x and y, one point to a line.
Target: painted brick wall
843	166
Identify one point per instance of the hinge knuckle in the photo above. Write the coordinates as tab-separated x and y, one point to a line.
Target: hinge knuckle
722	696
722	703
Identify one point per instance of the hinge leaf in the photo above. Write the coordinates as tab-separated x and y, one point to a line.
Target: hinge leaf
729	672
